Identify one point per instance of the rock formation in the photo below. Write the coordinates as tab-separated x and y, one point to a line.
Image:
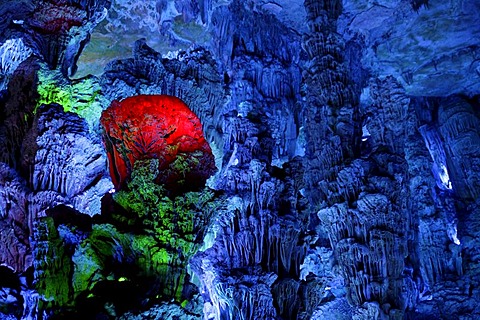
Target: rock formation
327	165
157	127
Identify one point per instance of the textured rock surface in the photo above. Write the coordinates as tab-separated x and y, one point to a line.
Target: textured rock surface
430	47
157	127
189	75
346	134
15	251
63	165
67	161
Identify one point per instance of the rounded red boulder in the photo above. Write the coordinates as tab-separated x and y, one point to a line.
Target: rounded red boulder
157	127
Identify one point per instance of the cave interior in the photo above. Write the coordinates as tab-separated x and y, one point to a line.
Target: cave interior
239	159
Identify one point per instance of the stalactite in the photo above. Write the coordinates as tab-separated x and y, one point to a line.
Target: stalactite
60	163
460	129
289	306
390	104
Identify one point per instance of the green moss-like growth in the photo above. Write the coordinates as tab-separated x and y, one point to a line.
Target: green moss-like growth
175	227
52	267
95	259
183	164
178	222
144	195
81	96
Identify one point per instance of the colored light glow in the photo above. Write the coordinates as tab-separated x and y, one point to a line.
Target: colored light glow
156	127
79	96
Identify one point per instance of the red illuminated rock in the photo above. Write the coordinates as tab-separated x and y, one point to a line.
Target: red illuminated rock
56	17
157	127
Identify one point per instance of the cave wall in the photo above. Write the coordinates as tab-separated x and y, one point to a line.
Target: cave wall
346	137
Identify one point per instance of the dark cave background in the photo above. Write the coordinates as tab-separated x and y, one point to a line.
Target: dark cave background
346	138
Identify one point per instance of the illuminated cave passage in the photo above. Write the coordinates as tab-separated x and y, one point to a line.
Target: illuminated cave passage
157	127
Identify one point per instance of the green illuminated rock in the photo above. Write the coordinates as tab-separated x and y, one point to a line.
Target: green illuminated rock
177	222
52	266
93	259
147	257
175	227
81	96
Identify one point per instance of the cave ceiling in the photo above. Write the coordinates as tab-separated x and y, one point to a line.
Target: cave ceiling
432	51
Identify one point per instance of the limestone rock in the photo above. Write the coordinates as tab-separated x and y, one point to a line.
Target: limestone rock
167	130
67	160
346	134
419	44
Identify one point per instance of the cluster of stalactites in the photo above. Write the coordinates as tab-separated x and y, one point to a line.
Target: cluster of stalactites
365	225
460	129
54	153
237	27
387	115
364	241
322	14
331	113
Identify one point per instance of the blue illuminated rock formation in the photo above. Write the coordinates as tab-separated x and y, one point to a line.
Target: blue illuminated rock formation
346	135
